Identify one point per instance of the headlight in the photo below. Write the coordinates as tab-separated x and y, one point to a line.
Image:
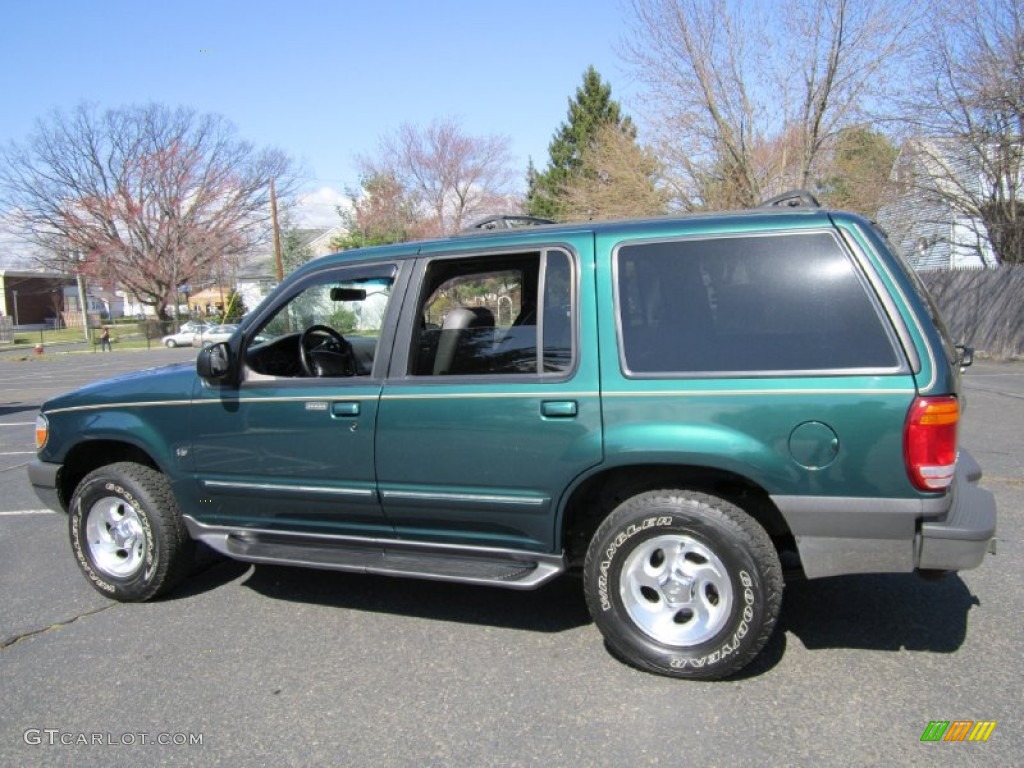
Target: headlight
42	431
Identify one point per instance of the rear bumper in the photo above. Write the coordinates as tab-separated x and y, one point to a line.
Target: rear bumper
43	477
960	539
843	535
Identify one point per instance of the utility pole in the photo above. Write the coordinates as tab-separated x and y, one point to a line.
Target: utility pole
82	297
277	234
220	283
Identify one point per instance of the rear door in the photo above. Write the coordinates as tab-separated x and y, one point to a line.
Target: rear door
492	406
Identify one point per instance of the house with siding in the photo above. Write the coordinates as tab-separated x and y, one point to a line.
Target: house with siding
923	222
258	276
102	303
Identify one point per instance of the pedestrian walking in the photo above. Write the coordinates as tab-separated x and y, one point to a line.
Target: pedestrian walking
105	340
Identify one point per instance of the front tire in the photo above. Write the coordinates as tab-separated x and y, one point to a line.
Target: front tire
171	343
683	584
127	534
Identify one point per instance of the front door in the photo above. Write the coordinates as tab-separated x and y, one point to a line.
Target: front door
291	447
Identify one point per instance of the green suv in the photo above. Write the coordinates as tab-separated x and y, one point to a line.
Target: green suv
684	410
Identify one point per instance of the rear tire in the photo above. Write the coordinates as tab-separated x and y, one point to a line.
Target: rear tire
683	584
170	343
127	534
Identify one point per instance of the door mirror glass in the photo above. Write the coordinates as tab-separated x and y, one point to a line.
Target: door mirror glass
214	361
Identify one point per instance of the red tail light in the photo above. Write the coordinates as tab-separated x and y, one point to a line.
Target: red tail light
929	442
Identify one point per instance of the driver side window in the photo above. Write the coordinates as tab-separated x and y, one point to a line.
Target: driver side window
329	329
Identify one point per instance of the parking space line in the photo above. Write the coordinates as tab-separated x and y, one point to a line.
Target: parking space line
22	512
16	423
16	453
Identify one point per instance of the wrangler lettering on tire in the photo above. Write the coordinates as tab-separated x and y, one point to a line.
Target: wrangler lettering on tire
683	584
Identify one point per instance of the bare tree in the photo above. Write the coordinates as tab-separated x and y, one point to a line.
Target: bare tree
380	211
617	179
454	176
146	196
969	119
746	97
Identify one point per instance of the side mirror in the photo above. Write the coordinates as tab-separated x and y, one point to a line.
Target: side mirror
966	355
214	361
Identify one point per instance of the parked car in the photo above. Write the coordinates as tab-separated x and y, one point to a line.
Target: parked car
179	339
187	333
214	333
682	410
195	326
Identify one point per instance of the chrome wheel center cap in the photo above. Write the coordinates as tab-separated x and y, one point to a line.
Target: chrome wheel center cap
125	533
678	590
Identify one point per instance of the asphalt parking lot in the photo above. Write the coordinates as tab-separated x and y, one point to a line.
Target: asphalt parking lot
271	665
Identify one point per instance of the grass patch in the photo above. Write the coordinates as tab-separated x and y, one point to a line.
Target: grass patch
121	336
63	336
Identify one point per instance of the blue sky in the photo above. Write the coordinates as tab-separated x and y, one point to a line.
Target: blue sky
320	80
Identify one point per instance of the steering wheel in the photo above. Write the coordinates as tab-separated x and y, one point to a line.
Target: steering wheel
330	356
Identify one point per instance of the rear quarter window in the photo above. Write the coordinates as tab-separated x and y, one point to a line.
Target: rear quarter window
750	304
926	299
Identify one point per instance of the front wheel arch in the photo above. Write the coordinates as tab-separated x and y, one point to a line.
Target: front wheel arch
90	455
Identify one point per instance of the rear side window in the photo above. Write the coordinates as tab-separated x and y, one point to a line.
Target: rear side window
499	315
747	305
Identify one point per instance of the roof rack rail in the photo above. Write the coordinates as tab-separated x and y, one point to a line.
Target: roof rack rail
796	198
507	222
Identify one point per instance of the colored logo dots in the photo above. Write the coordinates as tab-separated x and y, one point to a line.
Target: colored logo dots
958	730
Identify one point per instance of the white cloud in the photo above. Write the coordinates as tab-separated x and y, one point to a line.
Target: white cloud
319	208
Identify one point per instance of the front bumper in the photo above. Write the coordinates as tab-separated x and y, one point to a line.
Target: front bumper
961	538
43	476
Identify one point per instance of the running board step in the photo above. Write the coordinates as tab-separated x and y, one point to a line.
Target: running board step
386	557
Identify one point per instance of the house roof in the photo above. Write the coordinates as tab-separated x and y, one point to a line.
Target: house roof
260	266
8	273
260	269
952	167
320	245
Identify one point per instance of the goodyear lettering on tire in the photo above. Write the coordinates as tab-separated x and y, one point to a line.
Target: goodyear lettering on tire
731	645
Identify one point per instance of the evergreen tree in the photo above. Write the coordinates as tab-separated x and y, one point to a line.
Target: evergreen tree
235	309
592	108
617	179
294	250
858	177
